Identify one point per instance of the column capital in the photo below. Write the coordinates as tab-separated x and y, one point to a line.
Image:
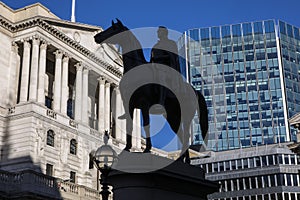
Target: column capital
36	40
113	84
86	69
78	66
14	47
44	45
116	89
66	57
101	80
58	54
26	43
107	84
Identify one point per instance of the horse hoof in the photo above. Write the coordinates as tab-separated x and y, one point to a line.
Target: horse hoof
147	151
127	149
188	161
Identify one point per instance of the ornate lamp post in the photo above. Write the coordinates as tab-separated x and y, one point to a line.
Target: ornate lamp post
104	158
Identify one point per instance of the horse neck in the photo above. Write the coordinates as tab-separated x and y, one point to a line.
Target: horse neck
132	51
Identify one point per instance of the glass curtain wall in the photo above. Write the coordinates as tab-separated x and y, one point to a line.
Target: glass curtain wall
237	70
290	48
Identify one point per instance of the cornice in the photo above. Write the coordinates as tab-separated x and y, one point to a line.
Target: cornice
40	22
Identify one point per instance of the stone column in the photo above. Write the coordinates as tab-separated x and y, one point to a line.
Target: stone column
123	123
107	106
118	112
85	89
138	128
64	85
134	129
14	70
101	100
57	81
42	72
25	72
78	92
34	69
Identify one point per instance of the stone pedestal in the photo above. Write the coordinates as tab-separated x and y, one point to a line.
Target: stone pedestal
176	181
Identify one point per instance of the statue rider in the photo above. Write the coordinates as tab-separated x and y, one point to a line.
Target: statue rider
164	52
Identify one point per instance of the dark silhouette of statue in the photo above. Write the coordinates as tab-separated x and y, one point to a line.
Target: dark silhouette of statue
138	93
164	52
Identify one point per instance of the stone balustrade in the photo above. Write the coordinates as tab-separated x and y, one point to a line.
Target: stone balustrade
29	182
74	191
47	187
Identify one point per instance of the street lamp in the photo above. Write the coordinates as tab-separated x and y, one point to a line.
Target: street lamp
103	159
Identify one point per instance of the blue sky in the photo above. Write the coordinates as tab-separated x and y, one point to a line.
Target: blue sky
177	15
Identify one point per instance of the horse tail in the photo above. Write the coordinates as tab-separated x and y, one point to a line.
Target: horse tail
202	113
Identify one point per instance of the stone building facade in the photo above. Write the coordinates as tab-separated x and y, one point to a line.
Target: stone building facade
59	93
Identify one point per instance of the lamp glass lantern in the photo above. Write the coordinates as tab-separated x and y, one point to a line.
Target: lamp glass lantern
105	157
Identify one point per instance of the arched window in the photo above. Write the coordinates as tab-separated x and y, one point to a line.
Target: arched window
50	138
73	146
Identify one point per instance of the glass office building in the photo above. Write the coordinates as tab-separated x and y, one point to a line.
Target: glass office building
249	74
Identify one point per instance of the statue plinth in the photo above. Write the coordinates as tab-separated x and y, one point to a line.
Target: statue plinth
176	181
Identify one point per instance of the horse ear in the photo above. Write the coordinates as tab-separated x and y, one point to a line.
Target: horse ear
112	22
119	21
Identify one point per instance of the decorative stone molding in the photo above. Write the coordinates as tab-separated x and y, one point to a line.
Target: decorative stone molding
95	132
73	123
14	47
41	22
26	43
66	57
36	40
51	113
44	45
11	110
79	66
86	69
58	54
101	80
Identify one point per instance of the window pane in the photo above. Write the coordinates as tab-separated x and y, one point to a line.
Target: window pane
72	177
73	146
282	27
49	169
225	31
269	26
258	27
215	32
236	30
247	29
204	33
50	138
194	34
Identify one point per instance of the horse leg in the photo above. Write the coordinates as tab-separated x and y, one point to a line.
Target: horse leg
185	137
146	126
174	120
129	128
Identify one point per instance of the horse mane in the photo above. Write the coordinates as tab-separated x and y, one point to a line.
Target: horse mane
133	54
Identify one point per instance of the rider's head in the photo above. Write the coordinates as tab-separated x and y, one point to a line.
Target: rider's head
162	32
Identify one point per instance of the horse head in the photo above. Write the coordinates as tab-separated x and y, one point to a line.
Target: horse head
107	35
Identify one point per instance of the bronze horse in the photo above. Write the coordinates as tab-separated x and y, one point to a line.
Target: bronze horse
145	96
